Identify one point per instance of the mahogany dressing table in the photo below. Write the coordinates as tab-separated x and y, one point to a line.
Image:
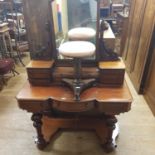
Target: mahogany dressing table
52	102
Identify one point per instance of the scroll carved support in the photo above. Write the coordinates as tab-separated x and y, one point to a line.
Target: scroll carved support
37	123
109	146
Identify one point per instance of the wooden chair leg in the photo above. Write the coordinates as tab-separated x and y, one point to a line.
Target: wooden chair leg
1	85
14	72
3	80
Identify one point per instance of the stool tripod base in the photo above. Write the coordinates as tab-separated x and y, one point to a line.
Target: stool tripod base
78	86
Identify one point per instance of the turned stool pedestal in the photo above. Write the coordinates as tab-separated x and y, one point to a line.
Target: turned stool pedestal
77	50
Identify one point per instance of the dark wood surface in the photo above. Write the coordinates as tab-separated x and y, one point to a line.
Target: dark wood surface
54	108
136	53
59	93
137	19
111	73
123	26
38	23
112	65
149	87
40	64
53	126
45	73
110	100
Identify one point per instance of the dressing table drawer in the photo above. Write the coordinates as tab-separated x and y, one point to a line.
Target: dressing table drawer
74	106
40	72
112	77
112	72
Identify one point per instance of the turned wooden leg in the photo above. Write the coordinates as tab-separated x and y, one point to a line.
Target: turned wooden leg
37	123
109	146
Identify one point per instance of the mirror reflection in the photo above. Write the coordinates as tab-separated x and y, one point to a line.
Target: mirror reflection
74	20
115	13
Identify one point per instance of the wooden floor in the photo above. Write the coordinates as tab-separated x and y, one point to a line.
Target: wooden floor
137	128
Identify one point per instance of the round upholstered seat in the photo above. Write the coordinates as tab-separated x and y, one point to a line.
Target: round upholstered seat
77	49
81	33
6	65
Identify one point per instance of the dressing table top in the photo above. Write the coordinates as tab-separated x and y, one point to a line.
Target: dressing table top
59	93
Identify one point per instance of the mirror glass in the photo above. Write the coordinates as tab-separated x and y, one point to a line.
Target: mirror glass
69	14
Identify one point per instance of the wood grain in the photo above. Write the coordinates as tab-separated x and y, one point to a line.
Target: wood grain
40	64
37	18
141	25
59	93
112	64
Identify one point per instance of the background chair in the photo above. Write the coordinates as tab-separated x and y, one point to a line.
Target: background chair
6	66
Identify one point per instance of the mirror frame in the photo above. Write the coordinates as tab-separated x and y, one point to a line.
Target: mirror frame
69	62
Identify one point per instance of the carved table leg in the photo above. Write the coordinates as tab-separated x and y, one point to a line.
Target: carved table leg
109	146
37	123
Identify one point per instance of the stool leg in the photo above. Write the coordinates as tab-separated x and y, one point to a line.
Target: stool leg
4	42
77	84
77	70
10	45
19	57
1	47
14	71
3	80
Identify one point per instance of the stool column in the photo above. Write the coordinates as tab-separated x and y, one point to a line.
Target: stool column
77	69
